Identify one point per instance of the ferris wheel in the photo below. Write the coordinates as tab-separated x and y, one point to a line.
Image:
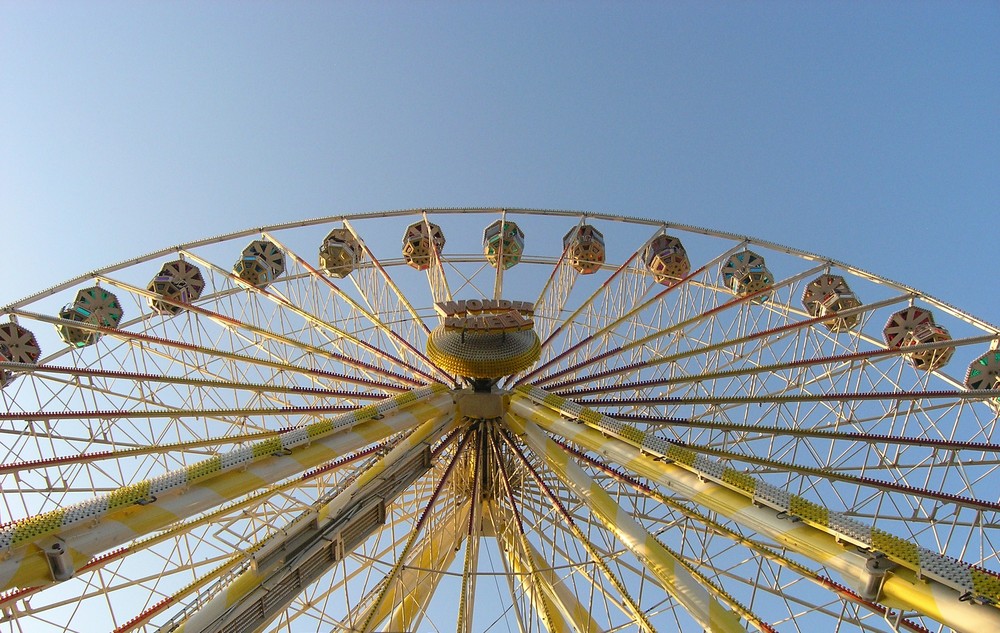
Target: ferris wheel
514	420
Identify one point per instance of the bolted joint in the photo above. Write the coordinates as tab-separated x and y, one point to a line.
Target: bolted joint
873	577
59	559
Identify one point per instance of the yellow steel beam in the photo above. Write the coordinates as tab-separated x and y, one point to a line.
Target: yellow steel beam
542	586
177	529
596	557
467	595
672	575
954	593
368	623
415	584
40	549
243	593
713	525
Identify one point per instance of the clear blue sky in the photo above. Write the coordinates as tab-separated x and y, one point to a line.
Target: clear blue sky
866	131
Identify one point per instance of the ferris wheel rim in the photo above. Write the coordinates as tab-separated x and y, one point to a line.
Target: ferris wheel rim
415	211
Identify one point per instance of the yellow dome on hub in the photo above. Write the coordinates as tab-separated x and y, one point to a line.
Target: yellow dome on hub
484	339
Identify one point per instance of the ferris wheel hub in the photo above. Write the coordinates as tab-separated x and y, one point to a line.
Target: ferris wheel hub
484	338
481	406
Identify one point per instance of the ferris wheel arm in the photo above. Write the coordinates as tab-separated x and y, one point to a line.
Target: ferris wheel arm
499	268
835	606
126	335
416	584
132	451
587	303
8	598
319	538
318	594
553	296
466	606
821	434
758	548
120	385
322	324
176	413
545	592
834	475
183	363
437	280
584	305
270	295
383	589
204	485
638	615
704	315
527	597
635	310
137	377
700	601
447	520
737	496
770	368
772	398
778	401
400	343
768	336
554	542
237	326
386	279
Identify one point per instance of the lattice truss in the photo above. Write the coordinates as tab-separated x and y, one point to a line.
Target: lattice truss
279	441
